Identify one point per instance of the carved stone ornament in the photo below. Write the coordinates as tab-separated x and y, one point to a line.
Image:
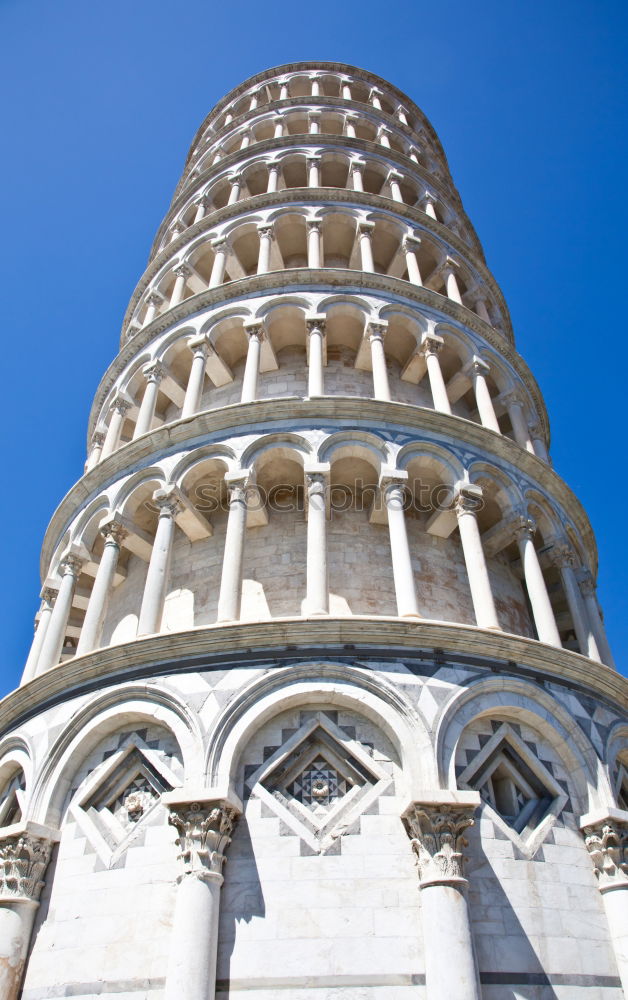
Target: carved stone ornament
23	861
204	833
607	844
436	835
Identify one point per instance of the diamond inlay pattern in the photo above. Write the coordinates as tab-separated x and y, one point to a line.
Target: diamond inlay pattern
318	786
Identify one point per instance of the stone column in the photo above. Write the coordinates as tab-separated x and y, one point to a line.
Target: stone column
468	502
542	609
236	185
538	442
431	345
204	832
24	857
255	332
221	250
382	135
587	587
203	204
401	115
606	837
314	120
393	486
350	124
409	246
357	167
394	177
481	310
70	570
315	326
246	140
346	91
153	301
273	178
119	408
436	833
515	406
451	282
233	557
278	127
313	171
98	440
564	558
316	483
365	235
478	371
427	204
199	346
265	239
182	273
316	89
113	533
375	98
153	372
313	243
283	91
376	334
48	597
158	575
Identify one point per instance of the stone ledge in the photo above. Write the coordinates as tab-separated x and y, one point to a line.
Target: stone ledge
358	410
299	638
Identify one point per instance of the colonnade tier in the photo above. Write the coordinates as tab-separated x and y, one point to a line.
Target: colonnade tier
237	359
416	509
351	85
344	163
305	229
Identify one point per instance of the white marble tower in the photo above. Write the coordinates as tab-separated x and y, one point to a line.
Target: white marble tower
319	607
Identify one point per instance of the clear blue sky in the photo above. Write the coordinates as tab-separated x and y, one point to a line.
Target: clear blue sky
100	104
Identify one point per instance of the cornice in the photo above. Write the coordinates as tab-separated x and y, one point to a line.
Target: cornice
335	103
354	411
331	67
291	142
386	638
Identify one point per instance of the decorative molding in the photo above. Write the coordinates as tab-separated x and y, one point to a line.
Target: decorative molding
436	835
204	833
23	862
607	844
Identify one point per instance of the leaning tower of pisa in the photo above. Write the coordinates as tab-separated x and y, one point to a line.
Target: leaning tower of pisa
320	703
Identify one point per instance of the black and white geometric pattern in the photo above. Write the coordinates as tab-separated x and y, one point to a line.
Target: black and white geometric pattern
318	786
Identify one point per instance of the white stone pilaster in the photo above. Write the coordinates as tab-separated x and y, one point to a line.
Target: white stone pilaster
158	575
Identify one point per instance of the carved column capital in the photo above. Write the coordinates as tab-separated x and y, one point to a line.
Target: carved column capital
220	244
377	330
315	323
204	832
254	329
431	343
182	270
469	499
121	404
314	225
23	861
98	439
113	532
168	501
154	371
410	244
154	299
71	564
606	839
436	835
523	527
265	230
562	555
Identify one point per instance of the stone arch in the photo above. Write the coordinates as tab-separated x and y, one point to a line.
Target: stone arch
104	714
16	758
521	699
290	444
313	683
